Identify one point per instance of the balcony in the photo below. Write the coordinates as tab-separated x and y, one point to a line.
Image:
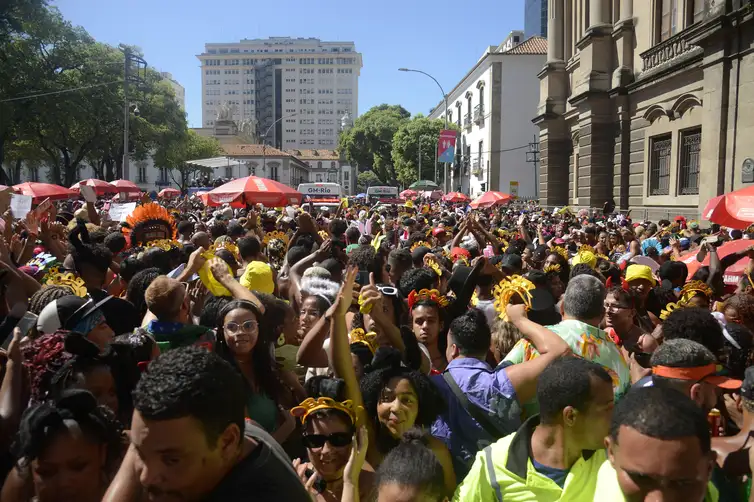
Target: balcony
476	169
669	53
479	114
467	121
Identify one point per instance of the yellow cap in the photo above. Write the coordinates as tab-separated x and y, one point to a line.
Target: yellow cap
634	272
258	277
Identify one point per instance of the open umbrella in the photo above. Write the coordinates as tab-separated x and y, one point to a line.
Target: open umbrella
489	199
168	193
424	185
100	187
126	186
254	190
734	272
734	209
455	197
42	191
407	194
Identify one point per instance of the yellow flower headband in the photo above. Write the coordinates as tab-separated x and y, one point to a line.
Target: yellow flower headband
324	234
230	246
561	251
427	294
552	268
311	405
69	280
670	308
586	255
507	288
419	244
693	288
369	339
164	244
432	263
275	235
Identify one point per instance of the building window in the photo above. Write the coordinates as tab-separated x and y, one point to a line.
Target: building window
694	11
319	164
345	176
659	165
688	172
164	175
228	171
319	178
142	174
667	11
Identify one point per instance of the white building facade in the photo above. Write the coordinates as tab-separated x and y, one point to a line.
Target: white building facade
327	166
180	92
295	88
492	106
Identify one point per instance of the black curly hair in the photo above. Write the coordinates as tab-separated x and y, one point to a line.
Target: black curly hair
193	382
386	365
45	295
412	463
42	422
694	324
87	255
416	279
212	308
137	287
334	388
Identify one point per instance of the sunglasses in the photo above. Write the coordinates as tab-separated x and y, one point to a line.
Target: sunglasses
248	327
388	290
337	439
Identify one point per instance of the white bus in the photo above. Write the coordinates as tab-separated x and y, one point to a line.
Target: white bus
321	190
383	194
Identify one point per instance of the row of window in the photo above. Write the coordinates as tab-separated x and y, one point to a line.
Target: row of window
689	161
237	50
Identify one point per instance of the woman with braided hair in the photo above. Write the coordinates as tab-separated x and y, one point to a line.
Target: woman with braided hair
66	450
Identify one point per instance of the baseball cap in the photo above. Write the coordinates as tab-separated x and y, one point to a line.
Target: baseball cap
511	263
258	277
66	313
634	272
438	231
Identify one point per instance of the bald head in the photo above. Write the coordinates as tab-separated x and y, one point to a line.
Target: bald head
201	240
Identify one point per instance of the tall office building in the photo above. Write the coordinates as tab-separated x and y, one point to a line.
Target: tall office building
296	88
535	18
180	92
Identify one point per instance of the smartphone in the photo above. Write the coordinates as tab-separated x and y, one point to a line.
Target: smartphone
27	322
362	278
643	359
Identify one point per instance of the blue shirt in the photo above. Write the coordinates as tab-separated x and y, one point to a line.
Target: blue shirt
488	389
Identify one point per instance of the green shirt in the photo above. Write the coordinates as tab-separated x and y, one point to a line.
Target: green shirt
504	472
263	411
585	341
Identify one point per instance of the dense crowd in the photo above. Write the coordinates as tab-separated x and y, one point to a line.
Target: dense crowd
425	353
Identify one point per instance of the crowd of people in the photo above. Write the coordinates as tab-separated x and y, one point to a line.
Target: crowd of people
424	353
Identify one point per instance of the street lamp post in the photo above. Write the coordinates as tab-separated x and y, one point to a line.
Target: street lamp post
445	99
264	140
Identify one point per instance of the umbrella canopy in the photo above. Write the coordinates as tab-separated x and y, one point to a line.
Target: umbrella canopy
42	191
361	196
407	194
734	209
424	185
168	193
489	199
254	190
733	273
456	197
100	187
126	186
431	194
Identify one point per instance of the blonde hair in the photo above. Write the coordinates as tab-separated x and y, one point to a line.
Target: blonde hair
504	336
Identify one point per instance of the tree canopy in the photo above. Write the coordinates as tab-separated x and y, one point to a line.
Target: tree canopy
191	147
419	132
367	179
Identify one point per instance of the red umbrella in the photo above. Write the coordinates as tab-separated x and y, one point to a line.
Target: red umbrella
734	210
100	187
168	193
489	199
407	194
734	272
42	191
455	197
253	190
126	186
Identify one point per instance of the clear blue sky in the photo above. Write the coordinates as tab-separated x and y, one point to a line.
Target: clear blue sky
442	37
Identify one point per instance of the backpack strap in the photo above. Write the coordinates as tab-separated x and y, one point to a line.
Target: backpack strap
476	413
491	473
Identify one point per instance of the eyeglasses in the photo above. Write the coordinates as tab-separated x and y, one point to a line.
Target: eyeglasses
337	439
247	327
615	307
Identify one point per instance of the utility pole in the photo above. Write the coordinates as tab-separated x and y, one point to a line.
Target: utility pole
420	158
532	156
136	76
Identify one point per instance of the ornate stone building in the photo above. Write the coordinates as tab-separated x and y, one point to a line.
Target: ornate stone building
646	102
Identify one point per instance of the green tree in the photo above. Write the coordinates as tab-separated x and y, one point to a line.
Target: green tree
418	132
368	143
367	179
176	154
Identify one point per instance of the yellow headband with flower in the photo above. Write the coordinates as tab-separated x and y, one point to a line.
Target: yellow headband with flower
69	280
427	294
585	255
694	288
561	251
164	244
670	308
311	405
230	246
324	234
432	263
553	267
507	288
419	244
358	335
275	235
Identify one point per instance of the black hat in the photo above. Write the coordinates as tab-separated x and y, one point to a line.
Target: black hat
512	263
66	312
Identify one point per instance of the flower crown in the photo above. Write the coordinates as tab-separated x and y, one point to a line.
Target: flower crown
69	280
432	263
230	246
275	235
165	244
311	405
324	234
419	244
670	308
561	251
369	339
693	288
507	288
427	294
555	268
586	255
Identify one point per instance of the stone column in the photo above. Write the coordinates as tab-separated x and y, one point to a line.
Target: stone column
624	44
596	13
555	30
626	9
